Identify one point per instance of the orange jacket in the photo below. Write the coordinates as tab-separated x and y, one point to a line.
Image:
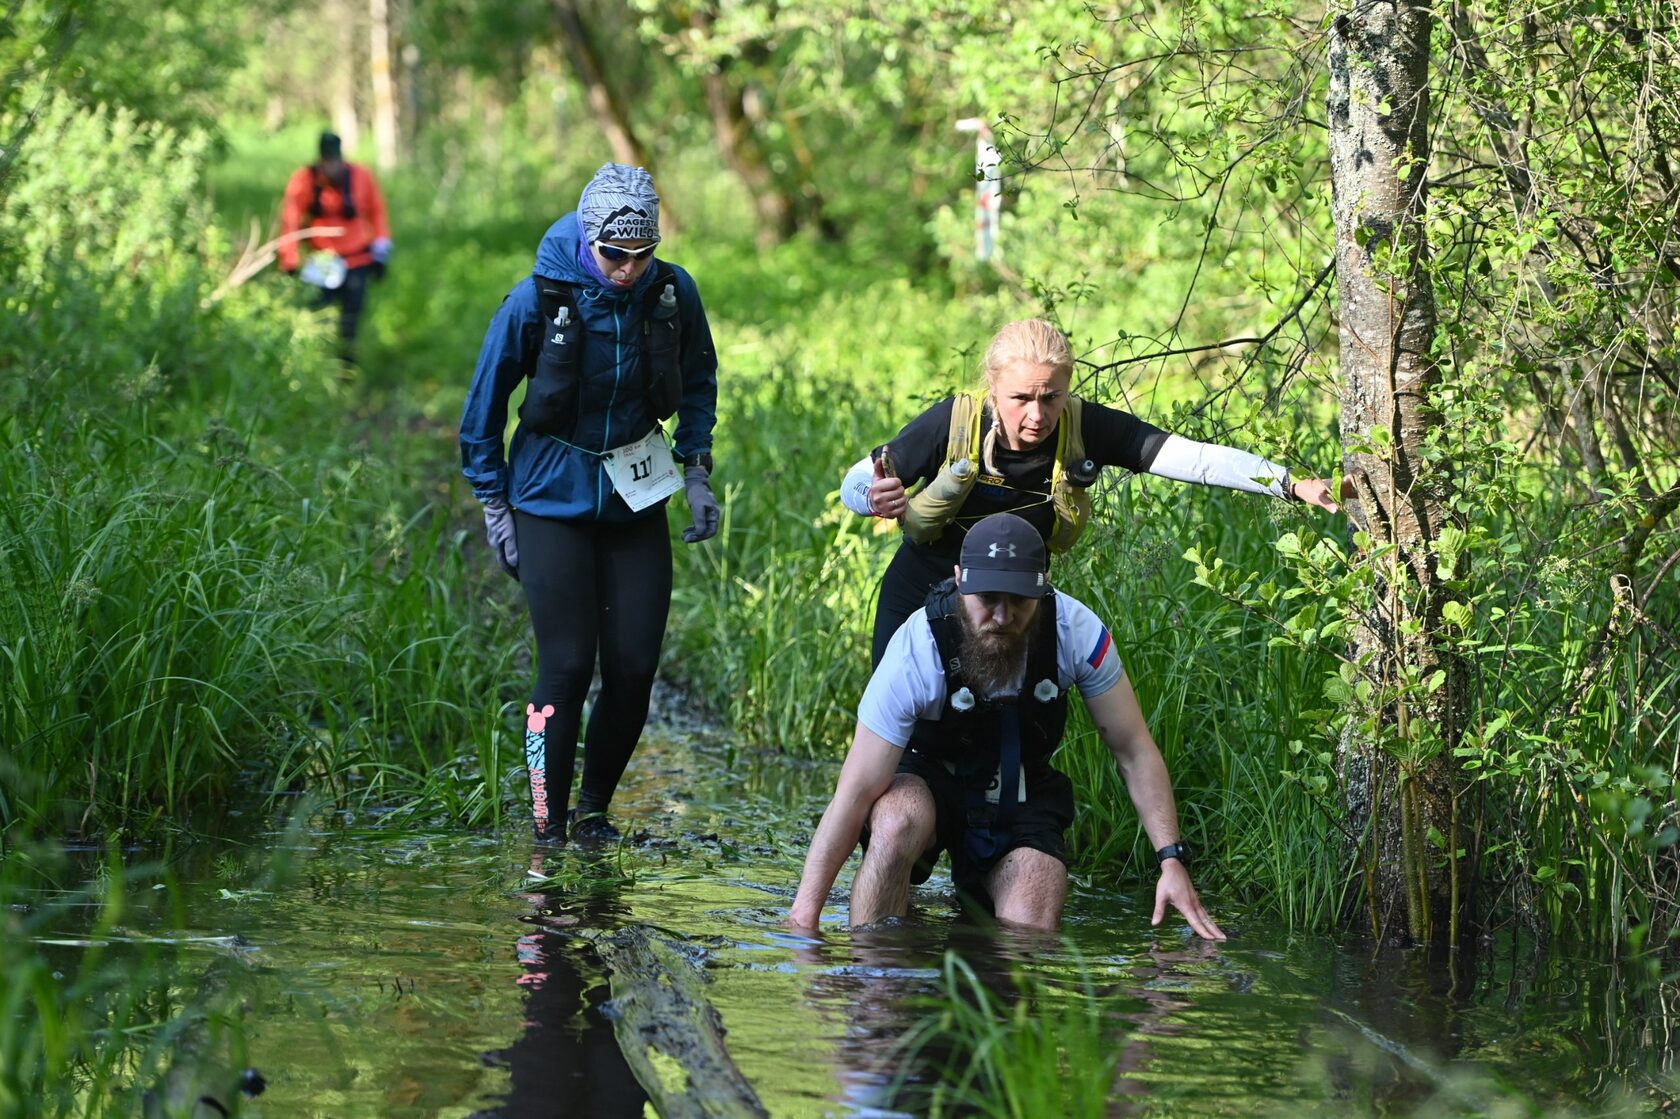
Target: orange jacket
359	232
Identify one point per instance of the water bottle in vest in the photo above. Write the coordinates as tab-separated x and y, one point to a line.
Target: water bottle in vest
936	505
663	334
551	399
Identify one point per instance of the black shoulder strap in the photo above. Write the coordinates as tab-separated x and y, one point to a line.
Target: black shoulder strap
552	295
1041	656
662	275
346	191
941	607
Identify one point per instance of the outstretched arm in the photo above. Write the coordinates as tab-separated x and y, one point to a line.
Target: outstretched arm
865	775
1209	464
1119	721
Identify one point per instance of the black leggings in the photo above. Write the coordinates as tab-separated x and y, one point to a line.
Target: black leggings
592	587
350	296
912	573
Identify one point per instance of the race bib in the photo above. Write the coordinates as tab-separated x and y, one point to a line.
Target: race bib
643	472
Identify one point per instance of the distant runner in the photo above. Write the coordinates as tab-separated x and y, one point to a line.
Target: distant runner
953	745
334	194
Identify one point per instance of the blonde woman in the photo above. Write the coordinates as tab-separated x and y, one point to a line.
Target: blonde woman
1024	445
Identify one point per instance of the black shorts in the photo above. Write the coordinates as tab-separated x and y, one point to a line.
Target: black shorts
1039	823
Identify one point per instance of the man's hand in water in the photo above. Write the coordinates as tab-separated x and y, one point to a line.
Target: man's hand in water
805	924
1175	889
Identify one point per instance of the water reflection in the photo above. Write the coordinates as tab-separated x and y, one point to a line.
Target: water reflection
898	1044
566	1050
399	976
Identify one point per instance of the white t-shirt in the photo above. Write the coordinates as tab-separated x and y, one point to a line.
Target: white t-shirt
909	683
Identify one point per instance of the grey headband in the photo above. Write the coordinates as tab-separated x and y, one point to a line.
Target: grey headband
619	204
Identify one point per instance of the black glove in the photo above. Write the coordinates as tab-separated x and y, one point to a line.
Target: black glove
697	486
380	251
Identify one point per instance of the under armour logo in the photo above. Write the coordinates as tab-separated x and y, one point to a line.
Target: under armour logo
1002	550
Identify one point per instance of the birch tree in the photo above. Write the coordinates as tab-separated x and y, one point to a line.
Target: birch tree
1398	782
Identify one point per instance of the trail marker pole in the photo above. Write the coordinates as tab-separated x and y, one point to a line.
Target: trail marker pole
988	188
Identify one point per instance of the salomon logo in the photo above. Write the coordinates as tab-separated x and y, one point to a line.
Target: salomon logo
1002	550
558	339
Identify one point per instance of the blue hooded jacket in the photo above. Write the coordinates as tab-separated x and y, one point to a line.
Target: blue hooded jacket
542	475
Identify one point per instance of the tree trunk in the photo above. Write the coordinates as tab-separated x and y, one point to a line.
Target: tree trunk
384	89
345	120
1396	754
611	111
782	207
773	208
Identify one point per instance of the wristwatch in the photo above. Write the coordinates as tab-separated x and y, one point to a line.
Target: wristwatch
702	459
1179	851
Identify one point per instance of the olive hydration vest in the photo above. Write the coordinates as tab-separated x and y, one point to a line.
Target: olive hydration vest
995	748
551	399
937	503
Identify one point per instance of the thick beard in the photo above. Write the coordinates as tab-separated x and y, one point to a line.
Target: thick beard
991	662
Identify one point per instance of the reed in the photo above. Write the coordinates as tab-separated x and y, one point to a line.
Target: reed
93	1019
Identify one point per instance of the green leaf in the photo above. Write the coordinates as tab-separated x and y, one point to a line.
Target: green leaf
1457	614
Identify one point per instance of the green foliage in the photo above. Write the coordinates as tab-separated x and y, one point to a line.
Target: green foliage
225	580
162	61
198	586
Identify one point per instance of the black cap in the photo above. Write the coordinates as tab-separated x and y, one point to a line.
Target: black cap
331	146
1004	554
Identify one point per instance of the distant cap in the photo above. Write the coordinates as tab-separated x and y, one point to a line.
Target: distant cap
331	146
619	204
1004	554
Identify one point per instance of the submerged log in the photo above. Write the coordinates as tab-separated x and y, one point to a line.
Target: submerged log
672	1037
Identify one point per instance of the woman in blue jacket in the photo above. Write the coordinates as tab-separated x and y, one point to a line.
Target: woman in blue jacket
613	340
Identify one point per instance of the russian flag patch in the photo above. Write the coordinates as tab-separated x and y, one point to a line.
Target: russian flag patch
1104	643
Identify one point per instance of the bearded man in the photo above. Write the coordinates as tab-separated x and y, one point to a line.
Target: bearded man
953	746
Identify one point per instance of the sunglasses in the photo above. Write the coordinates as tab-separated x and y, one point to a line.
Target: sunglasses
616	254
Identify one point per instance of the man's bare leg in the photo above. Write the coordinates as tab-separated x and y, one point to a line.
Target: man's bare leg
901	826
1028	888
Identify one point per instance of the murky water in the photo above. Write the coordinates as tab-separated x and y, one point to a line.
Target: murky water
434	975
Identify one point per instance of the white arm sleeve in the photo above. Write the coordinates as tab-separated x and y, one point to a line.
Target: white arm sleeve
854	488
1208	464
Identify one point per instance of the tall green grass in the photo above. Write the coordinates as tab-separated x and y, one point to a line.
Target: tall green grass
232	565
220	575
1031	1052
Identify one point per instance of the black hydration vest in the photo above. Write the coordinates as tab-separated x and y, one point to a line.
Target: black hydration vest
551	399
975	745
347	200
